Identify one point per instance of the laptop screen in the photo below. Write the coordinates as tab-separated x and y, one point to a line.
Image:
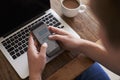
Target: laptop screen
16	12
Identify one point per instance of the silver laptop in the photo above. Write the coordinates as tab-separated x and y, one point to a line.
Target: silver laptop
18	16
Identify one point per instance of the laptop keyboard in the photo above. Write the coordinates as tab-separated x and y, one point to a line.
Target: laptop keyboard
17	44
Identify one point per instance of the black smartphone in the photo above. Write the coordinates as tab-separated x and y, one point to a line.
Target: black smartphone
40	32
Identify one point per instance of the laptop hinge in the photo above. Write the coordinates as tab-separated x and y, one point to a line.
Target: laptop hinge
8	33
1	38
47	11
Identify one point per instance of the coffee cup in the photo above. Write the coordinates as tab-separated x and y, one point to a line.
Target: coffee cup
70	8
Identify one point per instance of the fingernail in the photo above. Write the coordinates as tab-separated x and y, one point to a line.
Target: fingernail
50	36
45	44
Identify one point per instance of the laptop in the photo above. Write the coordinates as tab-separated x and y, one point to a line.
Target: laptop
18	17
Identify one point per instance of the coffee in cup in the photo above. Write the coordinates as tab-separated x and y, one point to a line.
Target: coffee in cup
71	8
71	4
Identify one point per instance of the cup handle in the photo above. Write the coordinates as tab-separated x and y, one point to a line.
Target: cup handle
82	8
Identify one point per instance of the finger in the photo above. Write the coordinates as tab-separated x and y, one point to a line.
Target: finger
43	49
31	46
57	37
57	30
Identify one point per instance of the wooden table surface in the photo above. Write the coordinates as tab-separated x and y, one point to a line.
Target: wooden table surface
86	25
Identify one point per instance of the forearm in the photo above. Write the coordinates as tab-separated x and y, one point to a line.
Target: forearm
98	53
35	77
93	50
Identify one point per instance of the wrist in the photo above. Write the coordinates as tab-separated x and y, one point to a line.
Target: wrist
35	77
84	45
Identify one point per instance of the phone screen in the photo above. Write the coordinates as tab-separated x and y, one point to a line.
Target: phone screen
41	32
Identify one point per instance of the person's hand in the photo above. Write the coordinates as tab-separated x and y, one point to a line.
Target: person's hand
67	40
36	59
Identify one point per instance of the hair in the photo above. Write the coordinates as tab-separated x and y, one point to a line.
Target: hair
108	13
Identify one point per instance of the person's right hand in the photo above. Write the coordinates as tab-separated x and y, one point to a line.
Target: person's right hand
67	40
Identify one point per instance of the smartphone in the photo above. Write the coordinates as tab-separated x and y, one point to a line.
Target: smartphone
40	32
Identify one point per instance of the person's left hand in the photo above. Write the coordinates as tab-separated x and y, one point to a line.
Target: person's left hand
36	59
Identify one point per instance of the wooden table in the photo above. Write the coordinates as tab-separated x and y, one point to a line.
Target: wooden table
67	65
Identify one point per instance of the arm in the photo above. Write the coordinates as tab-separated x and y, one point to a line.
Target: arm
36	59
98	53
94	51
109	59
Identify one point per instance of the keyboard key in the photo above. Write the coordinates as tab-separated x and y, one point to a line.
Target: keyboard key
12	43
17	54
25	49
20	48
12	53
16	50
23	45
62	26
10	49
14	56
21	51
19	43
16	41
57	24
8	46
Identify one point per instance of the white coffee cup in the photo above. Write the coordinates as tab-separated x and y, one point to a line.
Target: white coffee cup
72	12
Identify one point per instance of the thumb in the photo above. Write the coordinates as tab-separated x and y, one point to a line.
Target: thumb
43	49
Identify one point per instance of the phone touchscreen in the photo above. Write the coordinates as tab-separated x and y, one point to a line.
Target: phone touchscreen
41	33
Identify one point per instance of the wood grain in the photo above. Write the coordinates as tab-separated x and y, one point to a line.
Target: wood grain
72	69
